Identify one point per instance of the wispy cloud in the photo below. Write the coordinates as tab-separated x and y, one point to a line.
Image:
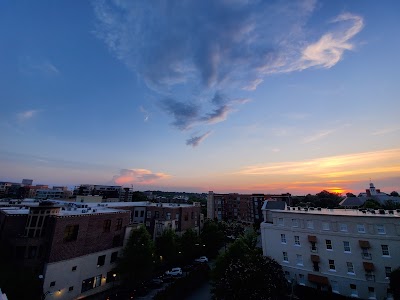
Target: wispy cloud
138	176
237	45
29	65
27	115
145	113
196	140
317	136
342	166
386	131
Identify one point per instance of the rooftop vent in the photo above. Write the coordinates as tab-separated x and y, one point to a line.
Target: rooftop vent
382	211
364	211
298	208
372	211
390	212
318	208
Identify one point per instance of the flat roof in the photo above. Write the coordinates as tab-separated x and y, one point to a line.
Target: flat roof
341	212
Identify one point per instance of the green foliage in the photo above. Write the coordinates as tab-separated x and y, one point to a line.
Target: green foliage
370	203
139	197
213	237
394	283
167	246
137	261
190	245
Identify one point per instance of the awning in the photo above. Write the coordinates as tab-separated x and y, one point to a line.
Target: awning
368	266
314	258
312	238
318	279
364	244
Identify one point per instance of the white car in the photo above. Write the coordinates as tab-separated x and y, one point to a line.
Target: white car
174	272
202	259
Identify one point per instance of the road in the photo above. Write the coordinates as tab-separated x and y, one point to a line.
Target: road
201	293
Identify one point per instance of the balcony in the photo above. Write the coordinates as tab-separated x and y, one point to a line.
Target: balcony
366	255
369	277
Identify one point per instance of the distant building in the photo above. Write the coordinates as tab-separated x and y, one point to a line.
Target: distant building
348	252
27	181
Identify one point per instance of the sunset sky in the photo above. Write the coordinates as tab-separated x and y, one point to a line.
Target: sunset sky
229	95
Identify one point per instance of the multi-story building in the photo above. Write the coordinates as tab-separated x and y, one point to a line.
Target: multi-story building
112	191
54	193
349	252
239	207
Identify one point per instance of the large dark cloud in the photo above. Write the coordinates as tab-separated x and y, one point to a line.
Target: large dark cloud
217	45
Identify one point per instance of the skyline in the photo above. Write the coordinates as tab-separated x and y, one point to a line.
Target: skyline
223	96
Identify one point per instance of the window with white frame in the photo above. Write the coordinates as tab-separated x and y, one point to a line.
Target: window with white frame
328	244
302	279
388	271
310	224
353	290
350	267
285	256
385	250
280	221
371	292
287	276
332	265
381	229
335	286
343	227
283	238
346	246
360	228
297	240
299	259
325	226
295	222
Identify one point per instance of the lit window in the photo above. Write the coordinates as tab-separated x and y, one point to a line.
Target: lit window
310	224
361	228
285	256
380	229
328	244
297	240
283	238
346	246
325	226
299	259
388	271
332	265
385	250
295	223
350	267
343	227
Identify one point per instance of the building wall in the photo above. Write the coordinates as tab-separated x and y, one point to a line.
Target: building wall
63	279
298	224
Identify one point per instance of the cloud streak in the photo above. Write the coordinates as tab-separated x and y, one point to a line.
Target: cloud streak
214	46
138	176
27	115
196	140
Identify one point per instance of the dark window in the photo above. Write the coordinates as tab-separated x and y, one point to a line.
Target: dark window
53	283
316	266
87	284
32	251
20	252
71	233
114	256
71	288
186	216
74	268
101	260
117	241
136	213
192	215
156	214
142	214
119	224
106	225
110	277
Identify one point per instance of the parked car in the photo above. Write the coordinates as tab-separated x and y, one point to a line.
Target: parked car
174	272
201	259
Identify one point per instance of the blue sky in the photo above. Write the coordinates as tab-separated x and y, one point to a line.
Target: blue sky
230	96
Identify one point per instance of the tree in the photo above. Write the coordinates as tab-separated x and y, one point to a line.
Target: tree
394	283
167	247
370	203
213	237
137	261
190	245
394	194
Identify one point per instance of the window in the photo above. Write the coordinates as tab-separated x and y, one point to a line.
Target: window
332	265
53	283
343	227
283	238
328	244
177	216
149	214
295	223
168	216
136	213
287	275
385	250
325	226
71	233
119	224
371	293
156	214
32	251
388	271
280	221
299	259
360	228
87	284
297	240
316	266
335	286
285	256
101	260
116	240
313	247
350	267
114	257
302	279
142	213
380	229
346	246
71	288
97	281
353	289
73	268
106	225
365	253
310	224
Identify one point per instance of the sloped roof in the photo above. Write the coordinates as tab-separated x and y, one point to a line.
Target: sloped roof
352	201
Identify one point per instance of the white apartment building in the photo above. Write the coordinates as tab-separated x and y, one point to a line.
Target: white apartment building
349	252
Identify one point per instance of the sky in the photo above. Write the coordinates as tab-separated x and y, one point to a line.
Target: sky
195	96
